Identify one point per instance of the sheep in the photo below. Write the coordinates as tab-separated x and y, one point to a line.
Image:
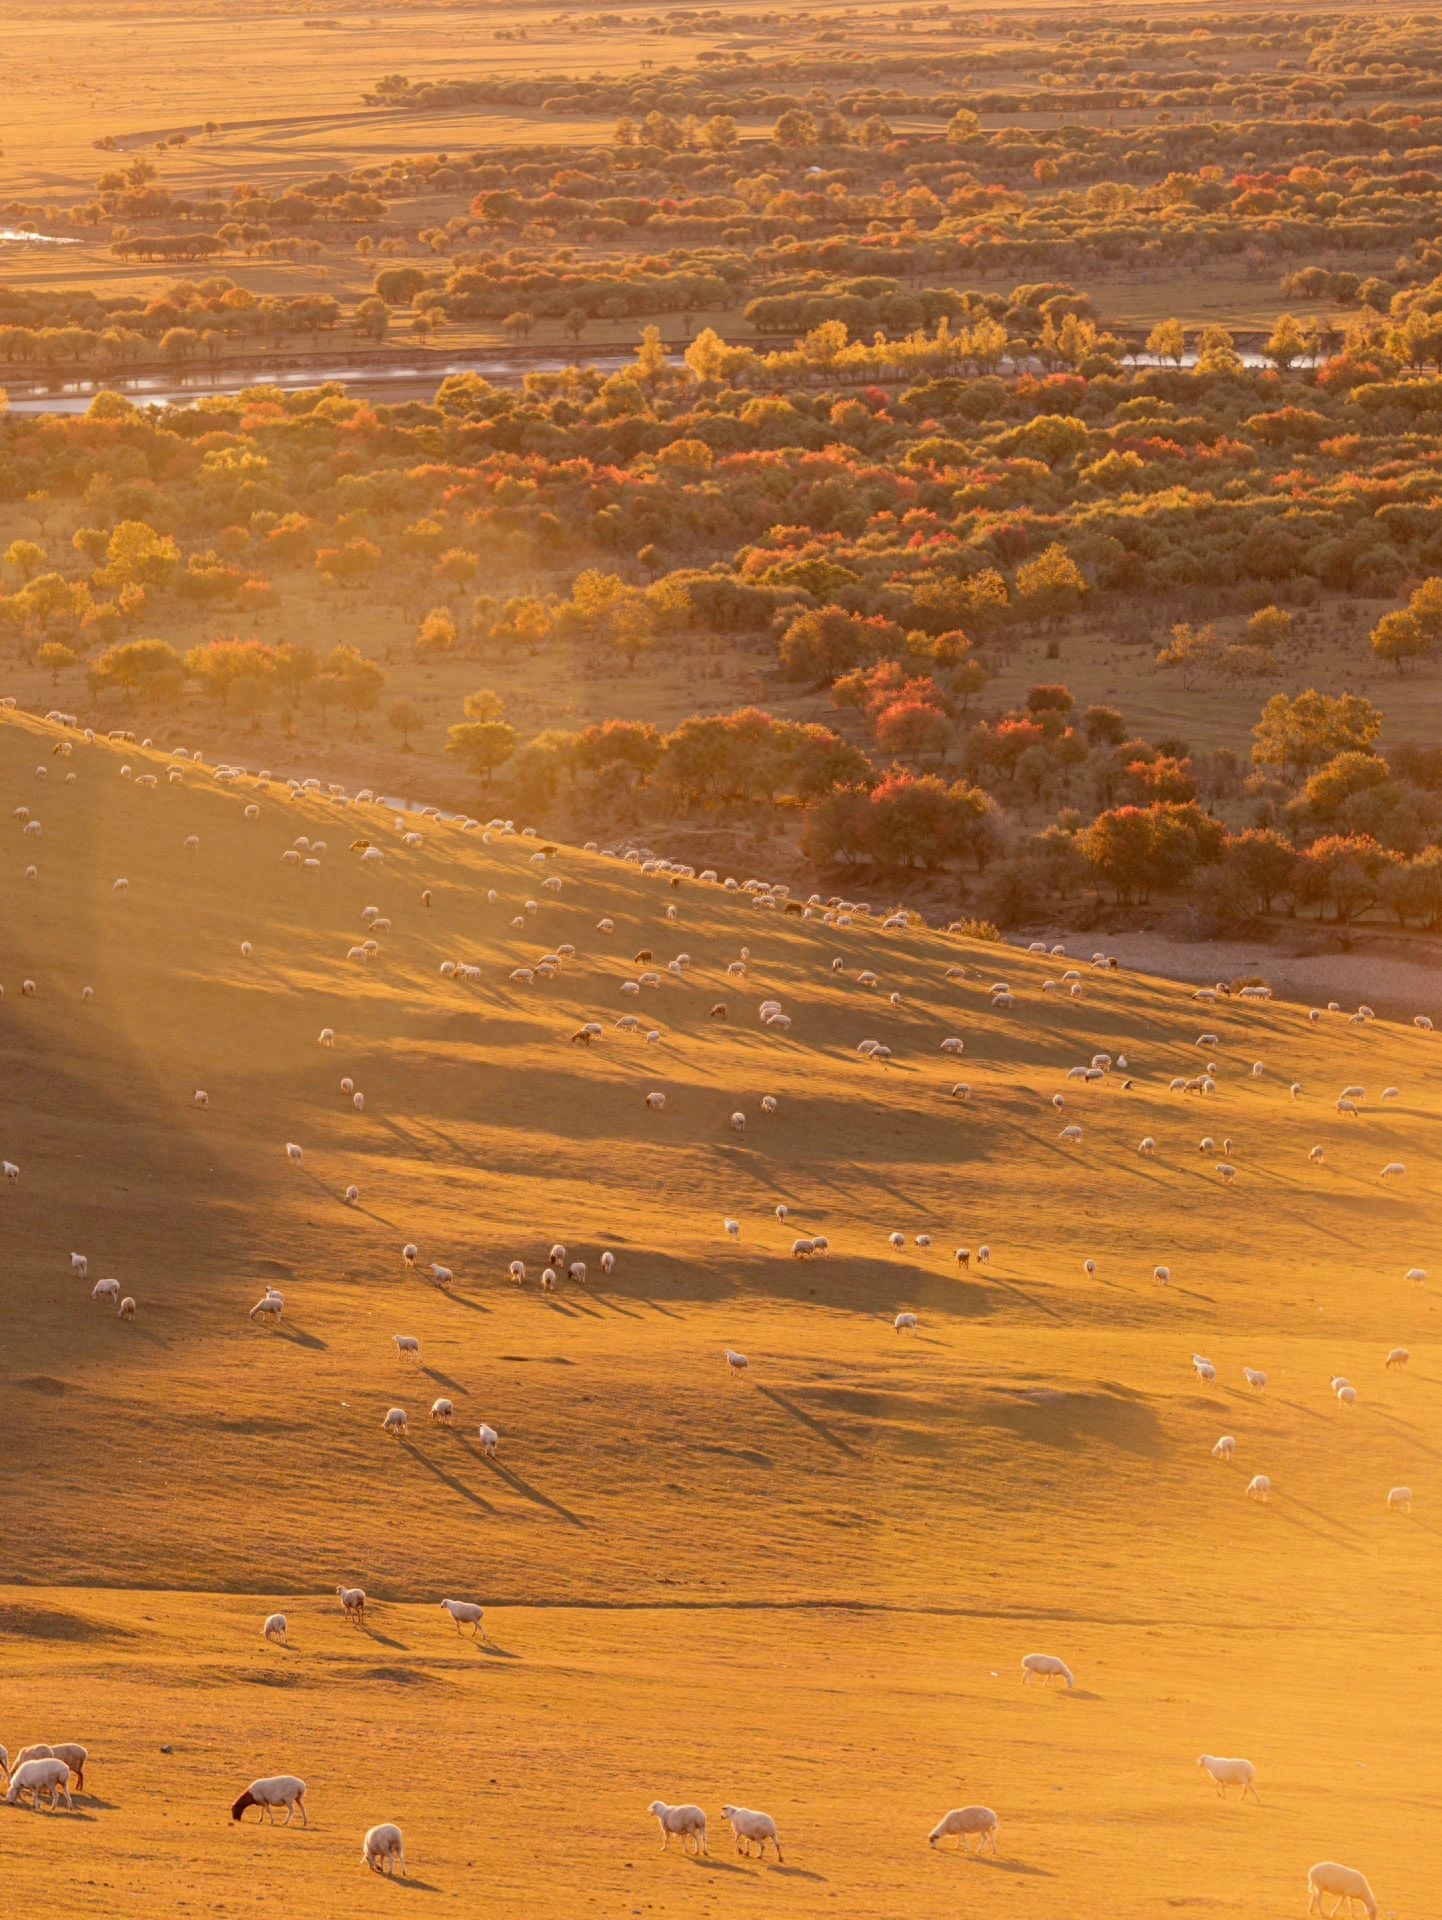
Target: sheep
271	1306
79	1265
1045	1667
282	1790
1230	1773
442	1412
408	1347
1255	1379
783	1213
9	1169
382	1847
465	1613
732	1228
1072	1134
1203	1369
74	1756
983	1254
736	1363
748	1826
738	1123
964	1822
608	1262
1147	1145
1393	1170
1399	1500
1162	1275
962	1090
1345	1882
294	1153
395	1422
353	1601
557	1255
276	1628
517	1271
1398	1357
897	1240
656	1102
1345	1105
489	1440
906	1323
27	987
1417	1274
442	1276
1316	1156
576	1273
688	1821
923	1240
1259	1487
105	1290
1257	1069
358	1101
952	1045
1089	1268
347	1085
1225	1448
126	1309
410	1252
327	1036
1420	1021
44	1775
1346	1396
351	1196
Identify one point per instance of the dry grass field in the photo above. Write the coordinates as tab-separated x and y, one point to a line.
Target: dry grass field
808	1588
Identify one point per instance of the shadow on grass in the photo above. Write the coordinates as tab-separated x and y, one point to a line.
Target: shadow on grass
447	1479
818	1427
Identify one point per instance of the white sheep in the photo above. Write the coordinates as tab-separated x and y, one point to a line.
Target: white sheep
105	1290
465	1613
1225	1448
395	1421
1045	1667
738	1123
1345	1882
1259	1487
271	1307
1316	1156
1346	1396
1147	1145
736	1363
1162	1275
656	1102
897	1240
688	1821
442	1276
281	1790
442	1412
352	1195
353	1602
327	1036
1230	1773
10	1170
408	1347
1393	1170
276	1628
1417	1274
608	1262
1255	1379
1399	1500
576	1273
79	1265
1089	1268
382	1848
964	1822
126	1309
748	1827
293	1152
1204	1369
1398	1357
733	1229
1072	1134
44	1776
517	1272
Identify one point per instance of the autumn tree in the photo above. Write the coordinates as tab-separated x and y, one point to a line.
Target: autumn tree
482	745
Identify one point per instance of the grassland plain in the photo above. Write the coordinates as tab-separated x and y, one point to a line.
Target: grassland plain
808	1589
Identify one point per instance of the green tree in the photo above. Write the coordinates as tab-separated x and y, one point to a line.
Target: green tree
482	745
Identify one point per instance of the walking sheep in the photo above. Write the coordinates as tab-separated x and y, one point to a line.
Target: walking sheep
688	1821
1230	1773
748	1826
489	1440
465	1613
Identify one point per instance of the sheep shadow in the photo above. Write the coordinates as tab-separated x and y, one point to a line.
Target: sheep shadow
708	1863
783	1872
1076	1693
298	1337
458	1487
1023	1867
406	1881
463	1300
521	1486
667	1313
444	1379
383	1639
614	1306
818	1427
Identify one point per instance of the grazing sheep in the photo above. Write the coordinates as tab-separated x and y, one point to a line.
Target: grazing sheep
897	1240
126	1309
79	1265
293	1152
282	1790
1230	1773
656	1102
1393	1170
1418	1274
353	1601
442	1276
1255	1379
327	1036
517	1272
1316	1156
1259	1487
1421	1021
352	1196
1162	1275
1089	1268
688	1821
733	1229
1045	1667
42	1776
395	1422
1147	1145
1225	1448
1346	1883
442	1412
408	1347
276	1628
749	1827
466	1613
964	1822
271	1307
906	1323
608	1262
738	1123
1399	1500
1072	1134
1398	1357
736	1363
383	1848
1346	1396
106	1290
768	1103
489	1440
576	1273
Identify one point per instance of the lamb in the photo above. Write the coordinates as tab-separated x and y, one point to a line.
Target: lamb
964	1822
906	1323
408	1347
1230	1773
466	1613
126	1309
395	1422
489	1440
749	1826
44	1775
1225	1448
382	1848
736	1363
1255	1379
1046	1667
442	1412
1346	1883
281	1790
276	1628
1399	1500
1259	1487
688	1821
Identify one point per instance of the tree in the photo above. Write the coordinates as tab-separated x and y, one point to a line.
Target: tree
1313	727
484	705
1168	341
1191	651
405	718
913	728
1052	585
483	745
437	634
1288	343
136	555
1349	870
358	681
223	664
1261	865
1400	637
25	557
1217	353
963	125
720	133
151	669
55	657
1269	627
373	319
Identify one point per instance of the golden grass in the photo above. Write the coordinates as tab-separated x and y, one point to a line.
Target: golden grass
807	1590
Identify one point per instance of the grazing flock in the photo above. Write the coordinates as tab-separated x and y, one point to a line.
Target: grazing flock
375	836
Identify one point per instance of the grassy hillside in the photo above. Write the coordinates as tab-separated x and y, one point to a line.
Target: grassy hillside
808	1589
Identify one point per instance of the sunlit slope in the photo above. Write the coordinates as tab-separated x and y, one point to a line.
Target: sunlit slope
1041	1446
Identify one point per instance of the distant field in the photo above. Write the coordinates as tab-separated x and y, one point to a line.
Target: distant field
809	1588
